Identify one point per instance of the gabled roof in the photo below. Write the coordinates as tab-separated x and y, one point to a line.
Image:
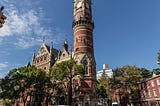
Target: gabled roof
43	49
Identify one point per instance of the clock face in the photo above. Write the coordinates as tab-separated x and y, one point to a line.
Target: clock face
79	4
87	5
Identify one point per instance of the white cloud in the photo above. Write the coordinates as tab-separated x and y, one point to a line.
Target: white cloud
25	42
21	23
26	25
3	65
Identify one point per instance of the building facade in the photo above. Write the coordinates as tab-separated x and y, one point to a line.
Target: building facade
105	72
83	53
150	91
45	58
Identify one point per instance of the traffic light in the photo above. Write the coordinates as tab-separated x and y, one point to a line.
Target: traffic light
2	17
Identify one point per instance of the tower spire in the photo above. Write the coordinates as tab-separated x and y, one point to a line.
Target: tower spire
33	56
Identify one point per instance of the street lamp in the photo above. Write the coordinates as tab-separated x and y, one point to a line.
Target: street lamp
2	17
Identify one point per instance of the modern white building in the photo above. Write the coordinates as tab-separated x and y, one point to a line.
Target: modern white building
105	72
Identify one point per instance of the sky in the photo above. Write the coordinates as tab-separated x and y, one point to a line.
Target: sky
127	32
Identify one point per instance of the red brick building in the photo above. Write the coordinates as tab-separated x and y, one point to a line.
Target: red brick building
45	58
83	53
150	91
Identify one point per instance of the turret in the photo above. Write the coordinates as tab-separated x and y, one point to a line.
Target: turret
65	46
83	27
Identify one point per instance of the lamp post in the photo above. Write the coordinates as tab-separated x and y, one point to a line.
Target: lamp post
2	17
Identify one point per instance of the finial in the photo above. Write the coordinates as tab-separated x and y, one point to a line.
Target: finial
66	40
71	50
34	54
52	43
28	64
43	39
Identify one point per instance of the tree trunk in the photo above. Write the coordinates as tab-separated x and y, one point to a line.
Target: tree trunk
46	102
70	92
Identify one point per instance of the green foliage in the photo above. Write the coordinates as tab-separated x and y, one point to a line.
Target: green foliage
26	81
105	82
158	58
66	70
127	76
146	73
125	80
17	82
156	71
101	91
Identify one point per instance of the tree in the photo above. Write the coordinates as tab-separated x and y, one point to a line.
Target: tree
64	72
158	58
105	82
101	91
145	73
26	82
8	84
124	83
156	71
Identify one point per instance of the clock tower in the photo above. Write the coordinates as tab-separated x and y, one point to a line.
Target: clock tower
84	51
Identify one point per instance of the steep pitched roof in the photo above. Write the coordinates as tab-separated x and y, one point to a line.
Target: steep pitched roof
43	49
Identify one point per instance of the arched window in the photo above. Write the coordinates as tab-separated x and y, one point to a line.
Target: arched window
63	55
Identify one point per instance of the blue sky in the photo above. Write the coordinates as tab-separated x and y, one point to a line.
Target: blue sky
126	31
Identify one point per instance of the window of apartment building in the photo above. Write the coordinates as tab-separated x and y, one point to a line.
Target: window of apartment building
154	92
152	83
158	81
148	85
149	93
